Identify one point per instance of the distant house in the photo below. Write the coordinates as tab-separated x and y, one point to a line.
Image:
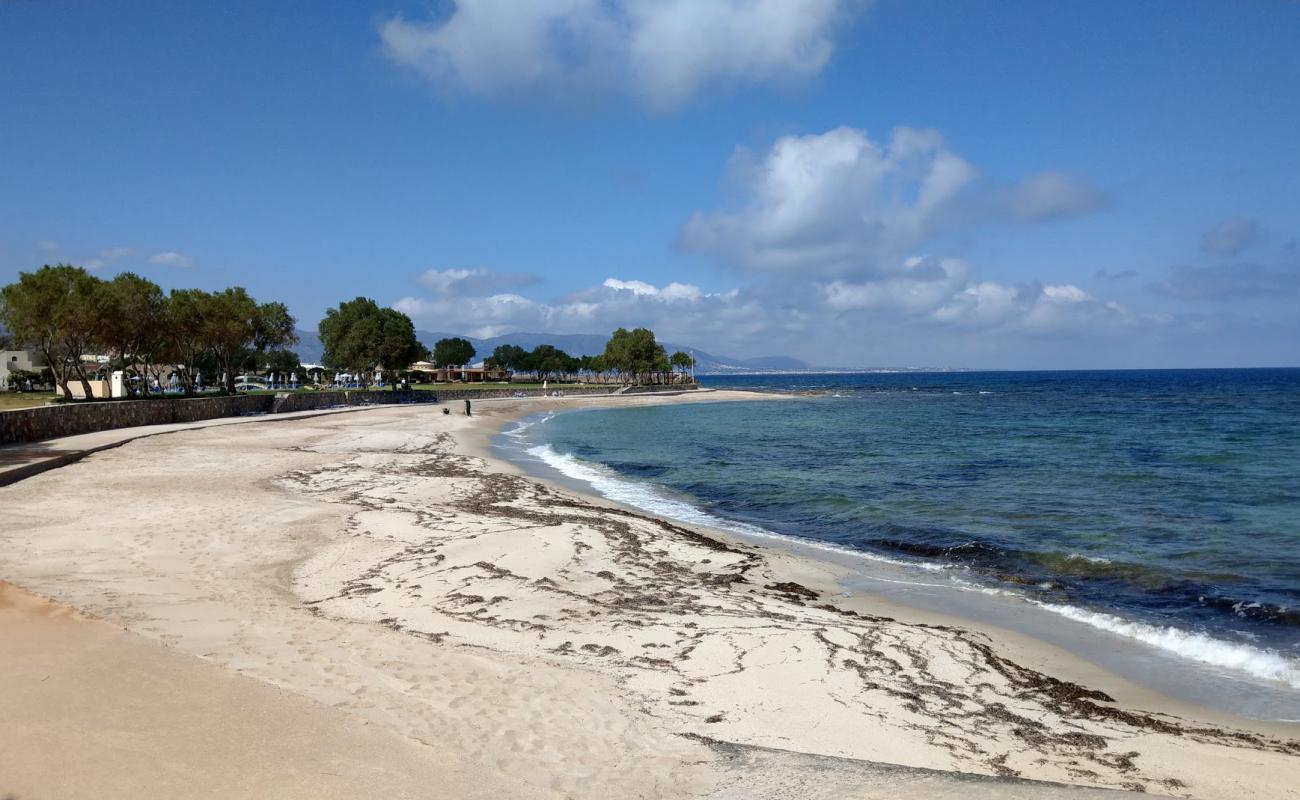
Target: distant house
483	374
15	360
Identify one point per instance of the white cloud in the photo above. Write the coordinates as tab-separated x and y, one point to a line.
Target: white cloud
635	287
1033	308
48	246
108	256
839	204
664	51
473	281
927	284
170	258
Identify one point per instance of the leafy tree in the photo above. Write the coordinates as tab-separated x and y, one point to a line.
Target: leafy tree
183	334
507	356
234	325
283	362
682	361
359	336
635	354
546	360
453	352
398	347
133	311
56	311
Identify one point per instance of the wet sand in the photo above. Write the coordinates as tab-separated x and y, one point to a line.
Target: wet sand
381	571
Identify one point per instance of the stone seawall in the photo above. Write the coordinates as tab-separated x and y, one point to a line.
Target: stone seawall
657	387
70	419
286	402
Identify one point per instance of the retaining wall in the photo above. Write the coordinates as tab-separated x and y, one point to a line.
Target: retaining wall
306	401
70	419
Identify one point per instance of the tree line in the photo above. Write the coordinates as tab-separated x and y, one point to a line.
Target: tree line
632	356
64	312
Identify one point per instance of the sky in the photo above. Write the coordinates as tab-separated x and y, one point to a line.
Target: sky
1004	185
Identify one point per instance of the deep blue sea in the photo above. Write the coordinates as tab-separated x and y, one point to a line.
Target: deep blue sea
1163	506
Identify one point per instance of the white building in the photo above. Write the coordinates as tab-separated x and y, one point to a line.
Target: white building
11	360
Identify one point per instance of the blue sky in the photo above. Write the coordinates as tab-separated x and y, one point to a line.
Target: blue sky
1005	185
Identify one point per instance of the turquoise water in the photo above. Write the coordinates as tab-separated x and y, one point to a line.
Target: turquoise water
1161	505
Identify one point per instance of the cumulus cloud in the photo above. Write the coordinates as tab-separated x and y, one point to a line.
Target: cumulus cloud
1033	308
936	297
473	281
664	51
1230	237
840	204
674	308
927	284
170	258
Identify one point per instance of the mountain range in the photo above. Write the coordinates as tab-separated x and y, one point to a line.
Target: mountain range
310	350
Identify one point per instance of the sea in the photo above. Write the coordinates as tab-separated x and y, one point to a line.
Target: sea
1146	520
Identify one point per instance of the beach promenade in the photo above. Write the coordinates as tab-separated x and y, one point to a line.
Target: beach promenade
366	604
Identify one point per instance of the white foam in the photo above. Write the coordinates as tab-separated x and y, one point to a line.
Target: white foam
516	431
1193	646
646	498
1197	647
1090	559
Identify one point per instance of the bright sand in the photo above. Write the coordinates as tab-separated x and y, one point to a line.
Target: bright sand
378	608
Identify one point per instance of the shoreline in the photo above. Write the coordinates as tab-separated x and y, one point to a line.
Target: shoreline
1103	654
387	571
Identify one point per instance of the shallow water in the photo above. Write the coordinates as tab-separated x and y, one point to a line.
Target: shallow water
1159	507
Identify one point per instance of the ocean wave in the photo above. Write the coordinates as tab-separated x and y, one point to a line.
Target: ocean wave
1198	647
516	431
1193	646
646	498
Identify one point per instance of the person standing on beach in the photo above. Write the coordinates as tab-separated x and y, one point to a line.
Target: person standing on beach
467	407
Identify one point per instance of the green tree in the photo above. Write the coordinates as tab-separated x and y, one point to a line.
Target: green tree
682	362
547	360
133	311
453	352
55	311
183	341
359	336
234	326
282	362
635	354
398	346
507	356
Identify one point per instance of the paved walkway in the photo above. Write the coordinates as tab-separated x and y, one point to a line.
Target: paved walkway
21	461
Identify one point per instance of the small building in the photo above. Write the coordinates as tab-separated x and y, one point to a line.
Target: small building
480	374
19	360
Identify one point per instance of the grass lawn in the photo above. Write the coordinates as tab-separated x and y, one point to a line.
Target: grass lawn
11	400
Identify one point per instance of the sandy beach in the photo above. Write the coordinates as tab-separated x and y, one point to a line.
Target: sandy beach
370	603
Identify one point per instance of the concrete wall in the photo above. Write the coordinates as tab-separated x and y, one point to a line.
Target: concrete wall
669	387
286	402
70	419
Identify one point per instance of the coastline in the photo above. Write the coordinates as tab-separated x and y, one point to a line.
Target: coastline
1168	662
387	531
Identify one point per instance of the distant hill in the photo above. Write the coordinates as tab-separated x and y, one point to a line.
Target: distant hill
309	349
